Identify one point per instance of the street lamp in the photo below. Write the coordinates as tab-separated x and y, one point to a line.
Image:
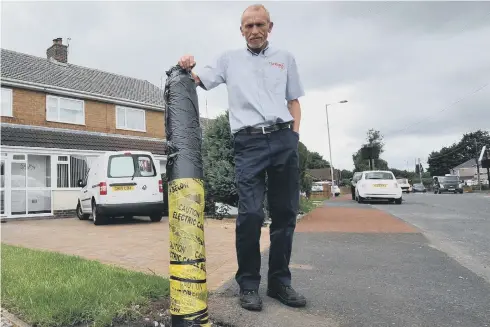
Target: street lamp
329	145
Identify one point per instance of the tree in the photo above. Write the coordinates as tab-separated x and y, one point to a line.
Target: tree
306	181
442	161
316	161
374	141
346	174
219	163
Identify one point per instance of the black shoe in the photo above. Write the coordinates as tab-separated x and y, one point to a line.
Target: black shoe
250	300
286	294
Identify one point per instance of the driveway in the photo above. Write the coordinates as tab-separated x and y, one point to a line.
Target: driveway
139	244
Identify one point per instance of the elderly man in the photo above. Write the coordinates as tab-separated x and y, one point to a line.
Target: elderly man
260	79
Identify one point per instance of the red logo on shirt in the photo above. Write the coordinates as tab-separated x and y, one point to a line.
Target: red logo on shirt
276	64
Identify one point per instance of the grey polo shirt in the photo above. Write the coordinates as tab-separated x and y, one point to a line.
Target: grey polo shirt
258	85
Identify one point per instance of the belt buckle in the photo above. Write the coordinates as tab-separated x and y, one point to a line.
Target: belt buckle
263	131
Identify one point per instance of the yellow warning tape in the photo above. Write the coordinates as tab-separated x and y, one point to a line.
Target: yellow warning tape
188	290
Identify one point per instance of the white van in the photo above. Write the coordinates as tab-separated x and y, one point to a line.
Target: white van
122	183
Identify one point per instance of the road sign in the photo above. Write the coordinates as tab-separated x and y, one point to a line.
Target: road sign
482	153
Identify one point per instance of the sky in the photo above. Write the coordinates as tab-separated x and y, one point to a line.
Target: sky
418	72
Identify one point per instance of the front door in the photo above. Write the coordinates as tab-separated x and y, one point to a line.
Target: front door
30	184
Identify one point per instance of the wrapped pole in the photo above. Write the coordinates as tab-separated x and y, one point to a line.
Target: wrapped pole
188	290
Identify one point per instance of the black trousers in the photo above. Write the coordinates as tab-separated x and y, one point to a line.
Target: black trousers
274	154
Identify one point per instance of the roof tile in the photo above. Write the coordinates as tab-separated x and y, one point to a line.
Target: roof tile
34	69
29	137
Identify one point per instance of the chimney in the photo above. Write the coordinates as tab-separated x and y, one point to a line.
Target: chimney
58	51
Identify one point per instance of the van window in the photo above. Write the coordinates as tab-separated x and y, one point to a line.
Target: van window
145	166
127	165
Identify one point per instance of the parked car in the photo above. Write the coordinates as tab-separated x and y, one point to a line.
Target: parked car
447	184
404	184
122	183
354	180
378	185
418	187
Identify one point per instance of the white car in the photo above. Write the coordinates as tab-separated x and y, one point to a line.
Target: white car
404	184
122	183
378	185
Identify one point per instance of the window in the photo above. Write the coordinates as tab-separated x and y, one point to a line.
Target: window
128	165
69	171
130	119
7	102
121	167
378	175
65	110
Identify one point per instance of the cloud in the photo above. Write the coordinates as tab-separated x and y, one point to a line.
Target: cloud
401	65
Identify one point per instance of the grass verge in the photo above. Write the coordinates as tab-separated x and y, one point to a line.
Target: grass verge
305	205
52	289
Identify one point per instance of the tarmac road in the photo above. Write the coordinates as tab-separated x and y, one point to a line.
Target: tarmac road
457	224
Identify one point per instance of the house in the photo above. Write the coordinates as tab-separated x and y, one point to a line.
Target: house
322	174
468	171
56	116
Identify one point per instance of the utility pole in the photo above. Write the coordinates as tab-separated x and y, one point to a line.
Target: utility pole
329	143
488	172
477	164
207	114
420	171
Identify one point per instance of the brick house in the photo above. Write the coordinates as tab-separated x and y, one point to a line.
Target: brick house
56	117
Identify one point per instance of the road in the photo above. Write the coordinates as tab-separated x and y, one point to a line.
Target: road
457	224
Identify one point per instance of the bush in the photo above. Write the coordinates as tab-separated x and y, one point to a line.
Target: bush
305	205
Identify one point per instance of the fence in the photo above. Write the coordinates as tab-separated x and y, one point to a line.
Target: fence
323	194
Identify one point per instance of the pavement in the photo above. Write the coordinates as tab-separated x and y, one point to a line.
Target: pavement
362	266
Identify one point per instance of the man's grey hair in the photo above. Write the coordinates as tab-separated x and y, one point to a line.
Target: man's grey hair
258	7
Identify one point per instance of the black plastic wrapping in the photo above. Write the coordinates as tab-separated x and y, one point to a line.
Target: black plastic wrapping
187	271
182	126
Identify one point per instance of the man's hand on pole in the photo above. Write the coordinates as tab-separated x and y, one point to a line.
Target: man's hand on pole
187	62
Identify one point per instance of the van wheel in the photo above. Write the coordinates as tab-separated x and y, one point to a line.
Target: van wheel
398	201
80	214
97	218
156	218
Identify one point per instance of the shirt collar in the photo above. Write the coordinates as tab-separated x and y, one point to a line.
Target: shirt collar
261	52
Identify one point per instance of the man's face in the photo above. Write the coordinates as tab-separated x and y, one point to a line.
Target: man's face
255	27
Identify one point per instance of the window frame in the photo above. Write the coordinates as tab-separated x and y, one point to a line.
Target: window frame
11	100
58	120
57	162
125	109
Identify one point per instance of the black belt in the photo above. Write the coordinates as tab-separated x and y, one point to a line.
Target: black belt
266	129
